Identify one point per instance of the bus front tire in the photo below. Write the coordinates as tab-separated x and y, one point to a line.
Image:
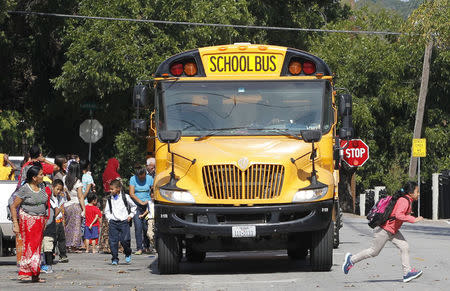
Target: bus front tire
322	249
168	254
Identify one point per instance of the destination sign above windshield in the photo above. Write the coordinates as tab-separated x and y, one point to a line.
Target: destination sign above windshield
251	64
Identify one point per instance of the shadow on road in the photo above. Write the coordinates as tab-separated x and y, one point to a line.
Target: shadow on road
381	281
427	230
238	263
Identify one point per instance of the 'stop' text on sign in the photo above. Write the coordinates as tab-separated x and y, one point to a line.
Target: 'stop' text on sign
356	152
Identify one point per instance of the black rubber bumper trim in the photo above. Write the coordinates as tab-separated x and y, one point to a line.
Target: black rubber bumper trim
167	218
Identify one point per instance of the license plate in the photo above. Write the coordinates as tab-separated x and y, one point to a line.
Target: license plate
244	231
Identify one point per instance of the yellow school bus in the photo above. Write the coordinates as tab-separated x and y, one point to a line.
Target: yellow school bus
247	153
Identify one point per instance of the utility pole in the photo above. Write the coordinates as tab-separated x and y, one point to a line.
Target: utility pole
421	103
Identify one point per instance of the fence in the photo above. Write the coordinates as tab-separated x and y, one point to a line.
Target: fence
434	198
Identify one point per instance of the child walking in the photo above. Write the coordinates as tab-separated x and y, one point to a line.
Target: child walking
93	218
57	201
390	232
149	216
119	211
50	228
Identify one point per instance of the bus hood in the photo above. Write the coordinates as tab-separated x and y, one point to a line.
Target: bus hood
256	150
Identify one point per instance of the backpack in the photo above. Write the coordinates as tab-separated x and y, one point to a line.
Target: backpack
382	210
125	202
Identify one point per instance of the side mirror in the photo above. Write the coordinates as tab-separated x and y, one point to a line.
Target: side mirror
140	95
345	112
310	136
169	136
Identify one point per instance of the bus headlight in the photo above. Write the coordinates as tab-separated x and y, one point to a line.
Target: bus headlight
177	196
310	195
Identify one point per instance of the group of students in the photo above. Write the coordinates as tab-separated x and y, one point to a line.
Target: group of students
61	213
55	207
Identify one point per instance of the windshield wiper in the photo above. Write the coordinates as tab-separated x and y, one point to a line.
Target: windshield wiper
284	132
274	130
215	131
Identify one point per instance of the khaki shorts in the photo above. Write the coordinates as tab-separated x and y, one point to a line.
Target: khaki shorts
47	244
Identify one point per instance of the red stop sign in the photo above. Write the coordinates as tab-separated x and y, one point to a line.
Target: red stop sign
356	152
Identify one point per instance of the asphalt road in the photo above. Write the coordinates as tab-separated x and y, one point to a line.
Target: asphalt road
429	251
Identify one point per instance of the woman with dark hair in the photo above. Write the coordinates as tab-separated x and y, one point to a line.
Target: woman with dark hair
60	168
32	198
74	207
140	187
390	231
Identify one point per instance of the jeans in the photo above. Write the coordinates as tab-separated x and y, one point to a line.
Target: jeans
140	229
119	231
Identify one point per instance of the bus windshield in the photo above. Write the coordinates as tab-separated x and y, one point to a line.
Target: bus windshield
245	107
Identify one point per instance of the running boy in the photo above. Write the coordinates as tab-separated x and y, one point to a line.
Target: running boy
119	211
390	232
50	228
93	217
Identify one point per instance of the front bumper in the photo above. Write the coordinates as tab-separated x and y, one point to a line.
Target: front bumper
207	220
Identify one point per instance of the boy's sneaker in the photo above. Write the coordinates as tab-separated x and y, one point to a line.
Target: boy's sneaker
47	269
138	252
64	260
114	263
413	274
128	259
347	265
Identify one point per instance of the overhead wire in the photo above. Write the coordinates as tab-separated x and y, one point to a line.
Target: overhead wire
202	24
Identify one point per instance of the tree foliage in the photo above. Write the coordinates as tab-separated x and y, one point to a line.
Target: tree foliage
51	66
383	74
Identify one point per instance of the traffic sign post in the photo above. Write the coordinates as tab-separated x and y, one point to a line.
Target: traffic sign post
356	152
91	130
419	149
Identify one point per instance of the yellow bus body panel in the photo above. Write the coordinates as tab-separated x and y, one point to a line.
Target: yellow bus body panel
251	62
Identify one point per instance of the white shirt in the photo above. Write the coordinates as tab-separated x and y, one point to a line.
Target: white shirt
73	193
119	210
56	202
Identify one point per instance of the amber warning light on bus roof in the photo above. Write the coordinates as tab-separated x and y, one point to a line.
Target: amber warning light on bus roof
295	67
189	68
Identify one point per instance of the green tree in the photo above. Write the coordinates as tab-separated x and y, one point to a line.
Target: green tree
294	13
104	59
31	56
430	22
13	133
383	75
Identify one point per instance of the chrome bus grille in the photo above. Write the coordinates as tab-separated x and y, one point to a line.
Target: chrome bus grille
260	181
